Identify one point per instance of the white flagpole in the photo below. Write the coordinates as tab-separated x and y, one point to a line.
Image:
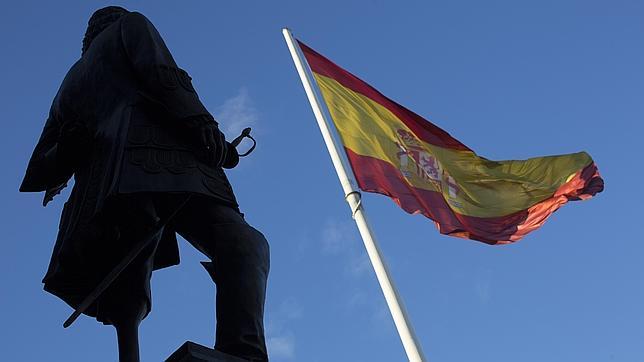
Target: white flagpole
352	196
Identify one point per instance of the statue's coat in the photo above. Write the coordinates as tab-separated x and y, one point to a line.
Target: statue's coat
129	92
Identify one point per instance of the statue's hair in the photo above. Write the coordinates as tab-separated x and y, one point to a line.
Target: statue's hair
101	19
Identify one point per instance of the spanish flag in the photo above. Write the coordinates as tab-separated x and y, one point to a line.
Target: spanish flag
397	153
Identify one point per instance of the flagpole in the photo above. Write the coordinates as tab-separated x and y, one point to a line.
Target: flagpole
352	196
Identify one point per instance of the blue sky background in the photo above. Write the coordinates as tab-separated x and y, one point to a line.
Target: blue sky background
510	79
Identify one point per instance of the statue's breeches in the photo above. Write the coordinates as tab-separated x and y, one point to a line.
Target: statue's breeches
239	266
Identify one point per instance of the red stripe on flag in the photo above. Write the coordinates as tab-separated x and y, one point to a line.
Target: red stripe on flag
423	129
376	175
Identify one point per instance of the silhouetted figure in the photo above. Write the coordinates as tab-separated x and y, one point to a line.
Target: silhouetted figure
128	125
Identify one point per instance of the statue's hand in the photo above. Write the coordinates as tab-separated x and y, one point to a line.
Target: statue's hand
51	192
232	156
210	141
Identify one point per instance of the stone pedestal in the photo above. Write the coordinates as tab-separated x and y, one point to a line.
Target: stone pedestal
192	352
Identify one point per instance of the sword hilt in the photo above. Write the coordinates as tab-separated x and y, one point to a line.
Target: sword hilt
244	134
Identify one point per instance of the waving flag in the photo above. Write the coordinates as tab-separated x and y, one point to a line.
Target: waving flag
395	152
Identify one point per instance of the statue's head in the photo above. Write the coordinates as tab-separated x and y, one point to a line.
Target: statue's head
101	19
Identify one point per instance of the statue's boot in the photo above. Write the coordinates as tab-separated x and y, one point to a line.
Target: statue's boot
129	305
239	268
126	320
127	334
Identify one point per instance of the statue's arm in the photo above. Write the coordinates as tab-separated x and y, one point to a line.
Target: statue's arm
44	170
163	83
161	80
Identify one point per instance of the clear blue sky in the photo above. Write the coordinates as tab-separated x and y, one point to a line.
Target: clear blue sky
510	79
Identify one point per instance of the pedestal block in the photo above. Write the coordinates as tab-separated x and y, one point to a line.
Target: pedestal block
192	352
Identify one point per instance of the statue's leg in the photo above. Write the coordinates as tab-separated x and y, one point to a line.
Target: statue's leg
240	265
240	270
126	301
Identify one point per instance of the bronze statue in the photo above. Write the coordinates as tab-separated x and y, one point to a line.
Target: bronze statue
147	159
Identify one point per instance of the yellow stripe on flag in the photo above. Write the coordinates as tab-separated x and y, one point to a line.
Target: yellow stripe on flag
471	185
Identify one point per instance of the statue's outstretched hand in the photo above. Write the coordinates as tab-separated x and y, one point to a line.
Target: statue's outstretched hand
51	192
